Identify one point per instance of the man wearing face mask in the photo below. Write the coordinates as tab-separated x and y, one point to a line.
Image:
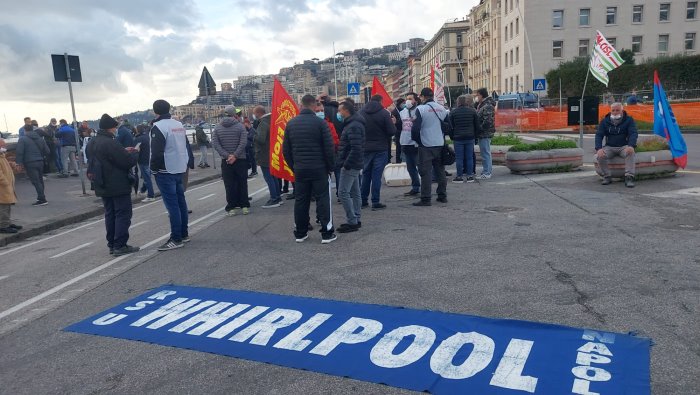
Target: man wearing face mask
620	133
409	148
399	105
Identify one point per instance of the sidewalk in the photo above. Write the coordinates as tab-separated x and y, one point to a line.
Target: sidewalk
67	205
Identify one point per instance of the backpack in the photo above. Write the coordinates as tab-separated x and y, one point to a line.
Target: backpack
445	125
94	171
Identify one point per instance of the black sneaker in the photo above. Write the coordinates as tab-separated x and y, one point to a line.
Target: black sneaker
186	239
18	227
127	249
606	181
171	245
422	203
291	196
411	193
471	179
458	180
328	238
301	238
378	206
442	199
74	175
447	173
629	181
272	203
40	203
365	205
8	230
347	228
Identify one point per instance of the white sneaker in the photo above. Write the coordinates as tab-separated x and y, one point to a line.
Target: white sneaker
148	200
232	212
485	176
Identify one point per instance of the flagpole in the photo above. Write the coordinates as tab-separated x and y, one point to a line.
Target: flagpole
580	108
335	73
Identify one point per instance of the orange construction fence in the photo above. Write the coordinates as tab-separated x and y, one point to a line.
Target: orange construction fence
550	118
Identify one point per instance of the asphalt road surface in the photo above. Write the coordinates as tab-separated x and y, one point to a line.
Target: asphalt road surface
554	248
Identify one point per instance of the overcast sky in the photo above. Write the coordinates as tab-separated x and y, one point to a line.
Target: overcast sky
134	52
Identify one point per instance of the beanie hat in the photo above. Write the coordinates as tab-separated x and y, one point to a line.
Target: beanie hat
230	111
161	107
107	122
427	92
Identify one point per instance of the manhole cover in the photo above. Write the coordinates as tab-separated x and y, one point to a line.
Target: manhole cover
502	209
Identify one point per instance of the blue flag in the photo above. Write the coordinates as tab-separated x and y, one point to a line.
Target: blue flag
665	124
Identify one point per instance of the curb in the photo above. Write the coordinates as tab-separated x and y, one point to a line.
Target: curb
69	219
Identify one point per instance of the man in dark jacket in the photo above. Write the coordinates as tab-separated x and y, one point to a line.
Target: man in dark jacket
379	130
261	145
143	141
30	153
249	149
486	111
230	139
465	128
350	161
203	144
620	133
115	189
50	132
125	136
310	153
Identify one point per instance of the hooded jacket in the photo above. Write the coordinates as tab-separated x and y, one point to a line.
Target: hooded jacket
31	148
116	163
465	124
351	150
230	138
379	130
624	133
486	110
261	143
308	144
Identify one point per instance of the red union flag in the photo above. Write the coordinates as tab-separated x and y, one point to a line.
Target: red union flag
378	89
283	109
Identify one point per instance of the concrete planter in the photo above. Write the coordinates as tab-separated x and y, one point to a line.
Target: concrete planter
498	154
563	159
652	163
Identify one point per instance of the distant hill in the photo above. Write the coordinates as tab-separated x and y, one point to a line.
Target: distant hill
134	118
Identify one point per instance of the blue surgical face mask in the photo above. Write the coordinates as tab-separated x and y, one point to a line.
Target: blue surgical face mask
321	114
339	117
254	117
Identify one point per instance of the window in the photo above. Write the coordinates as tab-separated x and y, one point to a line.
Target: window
459	38
511	84
637	14
511	30
558	19
459	54
613	41
557	49
517	83
460	77
506	38
636	44
511	57
517	55
663	42
517	26
664	12
584	17
690	41
611	16
692	10
583	47
506	63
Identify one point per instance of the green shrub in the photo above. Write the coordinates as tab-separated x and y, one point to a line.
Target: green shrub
506	139
652	145
544	145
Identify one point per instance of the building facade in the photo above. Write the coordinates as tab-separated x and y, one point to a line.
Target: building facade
562	30
483	46
448	47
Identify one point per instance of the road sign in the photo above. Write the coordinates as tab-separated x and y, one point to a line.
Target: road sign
61	67
539	85
353	88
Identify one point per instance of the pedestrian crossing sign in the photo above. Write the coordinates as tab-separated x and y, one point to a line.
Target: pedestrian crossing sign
539	85
353	88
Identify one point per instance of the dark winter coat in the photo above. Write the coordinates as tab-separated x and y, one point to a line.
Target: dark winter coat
379	130
201	136
624	133
116	163
125	137
351	148
330	109
66	135
308	144
31	148
144	149
262	141
465	124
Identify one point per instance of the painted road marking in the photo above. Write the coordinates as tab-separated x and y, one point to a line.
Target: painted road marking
98	269
549	177
71	250
695	192
90	224
529	138
138	224
4	277
207	197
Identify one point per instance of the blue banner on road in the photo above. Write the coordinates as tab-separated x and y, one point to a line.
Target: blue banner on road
442	353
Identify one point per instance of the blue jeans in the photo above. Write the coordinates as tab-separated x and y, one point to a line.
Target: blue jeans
349	193
374	164
410	156
173	193
464	151
272	184
485	148
147	181
59	163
